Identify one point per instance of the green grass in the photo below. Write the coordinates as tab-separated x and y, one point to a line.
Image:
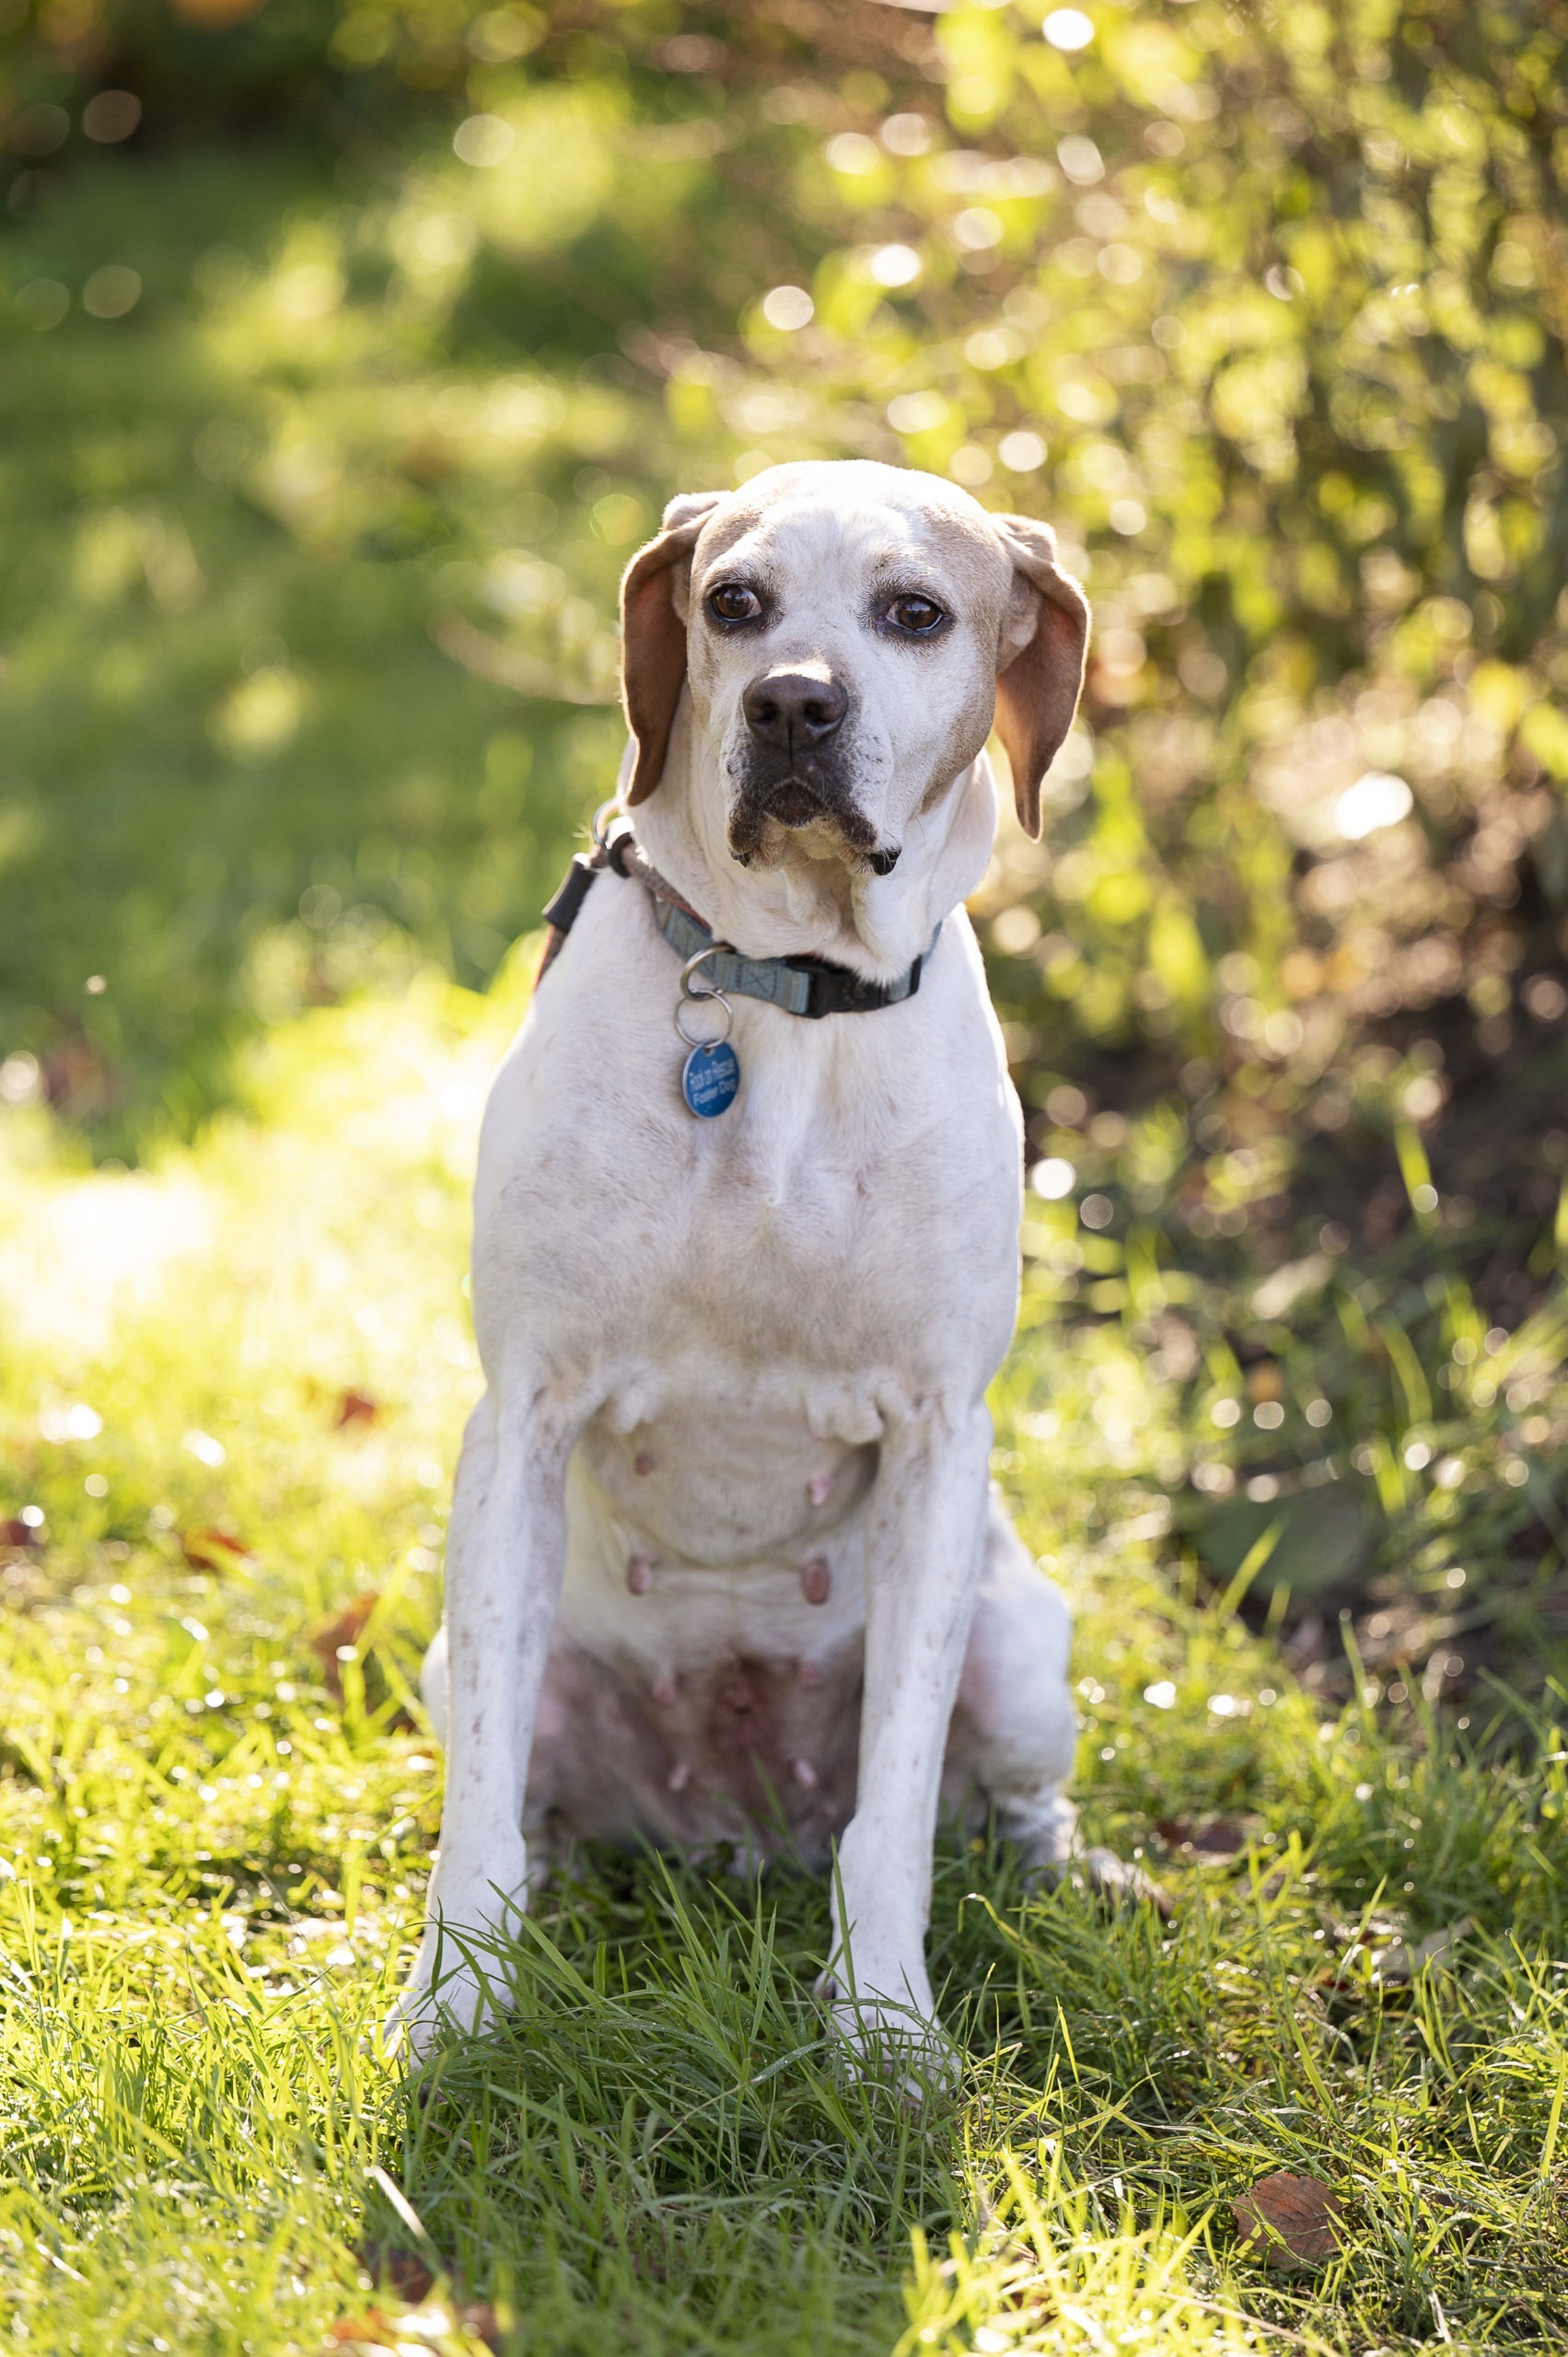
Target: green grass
215	1831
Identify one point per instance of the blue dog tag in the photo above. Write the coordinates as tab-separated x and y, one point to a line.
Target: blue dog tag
709	1079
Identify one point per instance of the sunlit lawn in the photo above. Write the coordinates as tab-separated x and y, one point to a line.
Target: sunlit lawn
230	1389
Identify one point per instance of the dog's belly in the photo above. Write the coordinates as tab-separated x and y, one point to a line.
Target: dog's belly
704	1678
736	1749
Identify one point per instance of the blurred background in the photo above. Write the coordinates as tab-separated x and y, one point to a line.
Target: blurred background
347	348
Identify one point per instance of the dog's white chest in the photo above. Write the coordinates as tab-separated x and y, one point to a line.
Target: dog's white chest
703	1526
717	1483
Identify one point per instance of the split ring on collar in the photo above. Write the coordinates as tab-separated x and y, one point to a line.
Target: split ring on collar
711	996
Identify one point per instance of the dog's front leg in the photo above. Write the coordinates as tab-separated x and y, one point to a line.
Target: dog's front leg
505	1558
924	1557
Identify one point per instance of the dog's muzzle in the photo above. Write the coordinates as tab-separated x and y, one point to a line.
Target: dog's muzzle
792	770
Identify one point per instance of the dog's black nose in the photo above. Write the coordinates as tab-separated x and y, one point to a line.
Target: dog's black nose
794	709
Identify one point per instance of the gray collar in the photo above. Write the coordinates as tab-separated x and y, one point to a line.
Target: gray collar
807	986
803	985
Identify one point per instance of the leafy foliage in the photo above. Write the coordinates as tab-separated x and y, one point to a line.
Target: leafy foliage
1267	316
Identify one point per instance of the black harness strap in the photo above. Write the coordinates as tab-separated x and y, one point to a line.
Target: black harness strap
562	912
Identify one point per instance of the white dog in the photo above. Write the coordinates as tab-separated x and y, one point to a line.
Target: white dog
724	1563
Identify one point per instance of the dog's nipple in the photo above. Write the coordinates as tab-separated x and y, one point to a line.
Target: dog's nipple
819	1489
641	1462
664	1688
809	1674
679	1776
639	1575
816	1581
805	1775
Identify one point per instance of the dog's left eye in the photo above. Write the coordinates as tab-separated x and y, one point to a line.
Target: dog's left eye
731	603
916	616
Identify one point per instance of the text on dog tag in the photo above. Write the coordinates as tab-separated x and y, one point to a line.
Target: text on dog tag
709	1080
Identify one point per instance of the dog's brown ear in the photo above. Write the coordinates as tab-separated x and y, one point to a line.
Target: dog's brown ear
653	634
1044	640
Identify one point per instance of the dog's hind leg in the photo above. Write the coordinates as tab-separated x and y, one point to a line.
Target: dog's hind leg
1014	1726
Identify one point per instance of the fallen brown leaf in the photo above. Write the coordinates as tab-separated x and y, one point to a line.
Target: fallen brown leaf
402	2272
214	1549
415	2328
1293	2221
1207	1843
356	1408
369	2330
344	1628
1021	2287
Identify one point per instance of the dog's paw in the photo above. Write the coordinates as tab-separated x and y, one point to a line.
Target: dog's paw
410	2027
1120	1881
455	1982
463	1999
899	2046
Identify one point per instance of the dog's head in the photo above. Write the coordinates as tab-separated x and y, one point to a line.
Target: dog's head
849	633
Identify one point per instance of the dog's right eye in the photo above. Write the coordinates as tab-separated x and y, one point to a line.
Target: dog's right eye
731	603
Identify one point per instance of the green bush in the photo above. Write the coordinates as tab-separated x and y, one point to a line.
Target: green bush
1268	317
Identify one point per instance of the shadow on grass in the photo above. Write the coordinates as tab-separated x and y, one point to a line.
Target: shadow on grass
663	2131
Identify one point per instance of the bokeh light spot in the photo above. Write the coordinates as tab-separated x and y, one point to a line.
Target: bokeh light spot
1376	799
906	135
851	153
895	265
112	115
111	292
1068	28
483	141
43	303
917	413
788	308
1052	1179
1021	452
1080	159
